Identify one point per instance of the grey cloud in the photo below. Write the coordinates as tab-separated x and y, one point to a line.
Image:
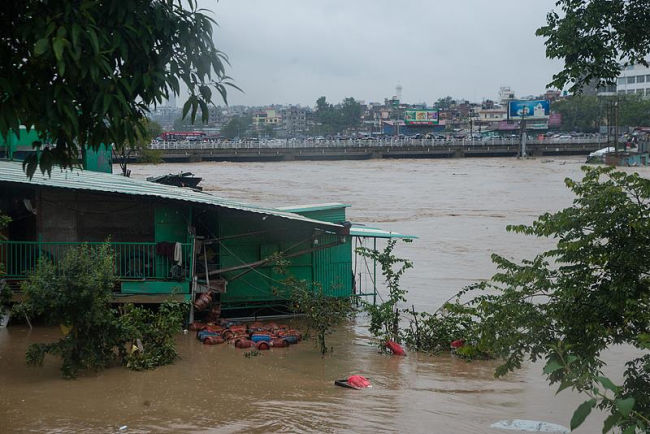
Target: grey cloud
293	51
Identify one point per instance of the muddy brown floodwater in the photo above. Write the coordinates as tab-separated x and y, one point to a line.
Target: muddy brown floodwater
459	209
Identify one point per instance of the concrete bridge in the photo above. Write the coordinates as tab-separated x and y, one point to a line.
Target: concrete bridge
281	150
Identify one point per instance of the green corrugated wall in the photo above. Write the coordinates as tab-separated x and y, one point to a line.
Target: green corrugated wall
331	268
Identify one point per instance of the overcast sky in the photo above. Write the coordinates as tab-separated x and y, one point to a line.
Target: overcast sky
293	51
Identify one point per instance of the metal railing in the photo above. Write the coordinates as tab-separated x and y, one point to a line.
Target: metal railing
361	143
133	261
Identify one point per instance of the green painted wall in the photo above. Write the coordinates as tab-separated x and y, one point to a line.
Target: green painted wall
100	160
21	142
331	268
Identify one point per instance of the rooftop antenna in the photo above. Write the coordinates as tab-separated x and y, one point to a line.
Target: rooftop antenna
398	91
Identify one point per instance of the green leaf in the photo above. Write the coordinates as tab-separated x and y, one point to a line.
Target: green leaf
581	413
186	107
551	367
563	386
41	47
607	384
93	40
630	430
610	422
58	45
75	35
625	405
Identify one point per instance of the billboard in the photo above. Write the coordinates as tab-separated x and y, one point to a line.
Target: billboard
535	109
421	117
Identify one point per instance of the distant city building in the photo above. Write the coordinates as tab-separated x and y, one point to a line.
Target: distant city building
492	114
294	120
505	95
634	79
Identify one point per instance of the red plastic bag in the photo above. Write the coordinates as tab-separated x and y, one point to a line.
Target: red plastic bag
395	348
358	382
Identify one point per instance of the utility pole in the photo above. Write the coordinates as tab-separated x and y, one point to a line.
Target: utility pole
522	132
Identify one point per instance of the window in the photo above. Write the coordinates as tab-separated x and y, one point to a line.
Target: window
640	91
647	78
640	79
621	81
621	92
630	91
631	80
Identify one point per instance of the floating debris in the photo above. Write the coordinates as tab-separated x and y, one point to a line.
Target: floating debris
530	426
258	335
354	382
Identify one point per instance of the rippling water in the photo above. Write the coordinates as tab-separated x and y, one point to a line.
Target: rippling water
459	209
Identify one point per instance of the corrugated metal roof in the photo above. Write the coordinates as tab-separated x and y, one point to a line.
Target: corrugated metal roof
12	172
314	207
364	231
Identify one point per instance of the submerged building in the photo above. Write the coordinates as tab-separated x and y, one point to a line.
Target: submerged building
175	241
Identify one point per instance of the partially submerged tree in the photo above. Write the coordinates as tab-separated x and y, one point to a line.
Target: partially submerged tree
76	294
322	311
568	305
84	73
385	316
594	37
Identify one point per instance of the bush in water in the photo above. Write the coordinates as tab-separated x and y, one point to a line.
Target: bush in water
385	316
322	311
75	294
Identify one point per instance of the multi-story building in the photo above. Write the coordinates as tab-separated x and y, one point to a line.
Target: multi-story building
294	120
505	95
266	117
634	79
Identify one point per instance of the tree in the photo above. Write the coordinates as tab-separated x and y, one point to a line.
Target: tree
335	119
236	127
444	103
141	145
350	113
84	73
594	37
581	113
75	293
570	304
385	316
634	110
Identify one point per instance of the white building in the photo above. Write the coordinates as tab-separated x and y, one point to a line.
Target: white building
505	95
634	79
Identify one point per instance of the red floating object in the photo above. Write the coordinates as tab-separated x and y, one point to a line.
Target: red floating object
358	382
263	345
213	340
395	348
238	328
256	325
458	343
280	343
243	343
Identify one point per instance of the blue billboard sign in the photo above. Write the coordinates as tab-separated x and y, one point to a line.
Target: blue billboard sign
535	109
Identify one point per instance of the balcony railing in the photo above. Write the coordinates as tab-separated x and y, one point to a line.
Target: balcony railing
133	261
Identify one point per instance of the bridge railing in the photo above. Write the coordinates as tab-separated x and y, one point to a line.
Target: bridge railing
361	143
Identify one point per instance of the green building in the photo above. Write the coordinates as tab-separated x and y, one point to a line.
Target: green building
173	240
19	146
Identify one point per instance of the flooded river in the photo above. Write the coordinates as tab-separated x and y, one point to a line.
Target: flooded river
459	210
